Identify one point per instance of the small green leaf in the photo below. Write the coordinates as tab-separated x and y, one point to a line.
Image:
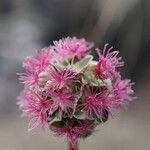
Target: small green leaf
58	124
88	75
97	121
82	63
80	115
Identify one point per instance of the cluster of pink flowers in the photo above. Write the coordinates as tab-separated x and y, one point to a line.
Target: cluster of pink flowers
65	89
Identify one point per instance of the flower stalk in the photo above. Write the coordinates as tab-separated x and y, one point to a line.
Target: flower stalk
71	147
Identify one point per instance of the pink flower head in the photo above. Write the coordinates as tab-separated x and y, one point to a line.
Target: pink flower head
70	48
34	106
62	101
33	66
29	79
108	62
123	92
59	78
95	102
39	62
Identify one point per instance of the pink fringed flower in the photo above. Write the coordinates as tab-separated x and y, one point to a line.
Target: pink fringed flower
70	92
29	79
33	66
59	78
108	63
123	92
40	62
95	102
34	106
70	48
62	101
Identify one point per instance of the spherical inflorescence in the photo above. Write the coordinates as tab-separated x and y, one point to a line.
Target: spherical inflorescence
69	91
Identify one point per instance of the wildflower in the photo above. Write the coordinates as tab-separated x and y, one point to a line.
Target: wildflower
38	63
95	102
123	92
69	91
70	48
35	107
62	101
108	62
33	66
59	78
29	79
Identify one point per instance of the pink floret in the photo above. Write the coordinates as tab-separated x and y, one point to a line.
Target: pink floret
108	63
94	102
123	93
38	63
35	107
70	48
33	66
62	100
59	78
29	79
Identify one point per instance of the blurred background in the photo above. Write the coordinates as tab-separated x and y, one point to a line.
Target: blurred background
27	25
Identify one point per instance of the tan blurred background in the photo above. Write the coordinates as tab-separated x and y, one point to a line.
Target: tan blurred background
27	25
